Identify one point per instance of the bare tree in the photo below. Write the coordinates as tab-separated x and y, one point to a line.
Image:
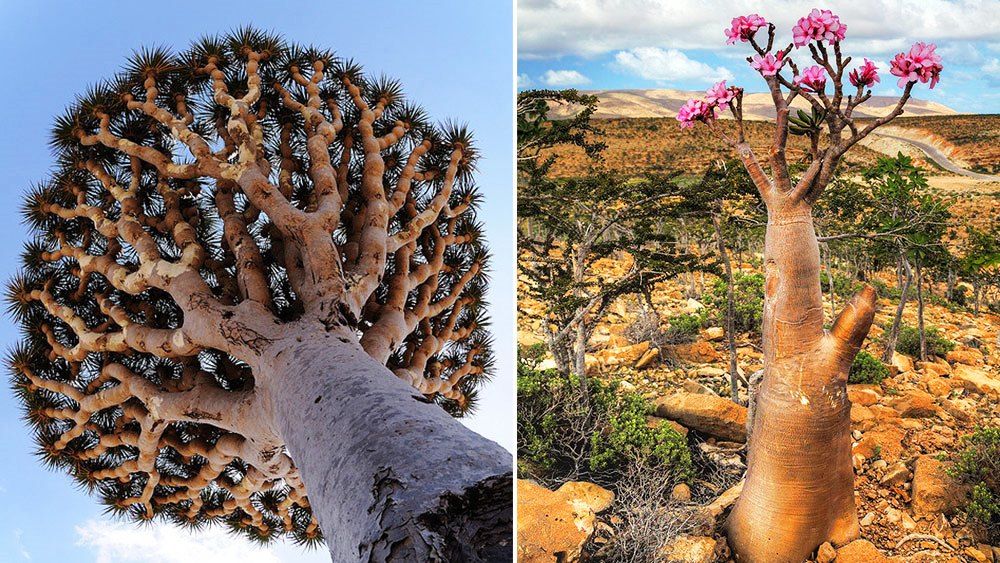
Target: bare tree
257	273
799	484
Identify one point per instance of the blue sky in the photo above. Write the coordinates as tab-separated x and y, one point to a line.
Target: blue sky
454	58
624	44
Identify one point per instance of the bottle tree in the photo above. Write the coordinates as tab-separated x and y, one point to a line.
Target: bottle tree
799	484
255	296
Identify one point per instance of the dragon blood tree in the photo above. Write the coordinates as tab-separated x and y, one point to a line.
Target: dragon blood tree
255	296
799	485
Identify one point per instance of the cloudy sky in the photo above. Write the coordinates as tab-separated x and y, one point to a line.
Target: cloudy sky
615	44
453	58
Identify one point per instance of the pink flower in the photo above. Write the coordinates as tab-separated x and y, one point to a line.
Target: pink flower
769	65
719	95
744	27
921	63
818	26
812	79
866	74
694	110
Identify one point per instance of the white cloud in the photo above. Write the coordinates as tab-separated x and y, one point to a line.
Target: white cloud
564	78
552	28
523	80
116	542
22	551
991	67
667	65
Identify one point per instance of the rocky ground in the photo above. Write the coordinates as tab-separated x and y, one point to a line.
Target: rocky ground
906	503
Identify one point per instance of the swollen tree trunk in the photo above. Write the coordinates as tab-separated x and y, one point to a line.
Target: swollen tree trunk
390	476
890	341
799	489
730	311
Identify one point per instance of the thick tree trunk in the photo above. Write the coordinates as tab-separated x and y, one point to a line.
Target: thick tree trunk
390	476
799	489
890	341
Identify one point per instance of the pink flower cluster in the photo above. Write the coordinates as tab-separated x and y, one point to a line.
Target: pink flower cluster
716	97
744	27
921	63
812	79
866	74
769	65
694	110
819	25
720	96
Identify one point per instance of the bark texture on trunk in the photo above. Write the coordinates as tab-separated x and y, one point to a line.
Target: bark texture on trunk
392	476
799	488
890	342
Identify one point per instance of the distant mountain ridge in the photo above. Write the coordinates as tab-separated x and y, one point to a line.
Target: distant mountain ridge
756	106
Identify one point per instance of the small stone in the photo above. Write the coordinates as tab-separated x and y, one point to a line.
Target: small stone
858	461
893	516
868	520
714	333
896	474
856	435
908	523
880	464
826	553
681	493
976	555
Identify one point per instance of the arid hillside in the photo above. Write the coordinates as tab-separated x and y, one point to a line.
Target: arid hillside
756	106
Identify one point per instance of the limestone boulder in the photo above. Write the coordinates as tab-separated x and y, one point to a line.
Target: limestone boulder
714	333
700	352
554	525
710	414
965	355
902	362
690	549
625	355
934	491
862	551
976	380
864	395
915	403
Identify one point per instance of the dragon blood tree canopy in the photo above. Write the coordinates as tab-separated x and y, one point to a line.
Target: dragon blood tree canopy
244	178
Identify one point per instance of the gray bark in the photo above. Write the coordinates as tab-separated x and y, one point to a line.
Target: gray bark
390	476
890	342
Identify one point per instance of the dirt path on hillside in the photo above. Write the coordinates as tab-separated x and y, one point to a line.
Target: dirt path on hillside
942	160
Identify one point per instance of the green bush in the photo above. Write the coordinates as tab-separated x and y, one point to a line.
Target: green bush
867	369
909	341
841	285
562	437
685	327
979	465
748	295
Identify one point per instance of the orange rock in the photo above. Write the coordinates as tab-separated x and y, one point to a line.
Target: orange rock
700	352
902	362
977	380
933	490
863	395
938	386
862	551
915	404
965	355
710	414
554	525
887	439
